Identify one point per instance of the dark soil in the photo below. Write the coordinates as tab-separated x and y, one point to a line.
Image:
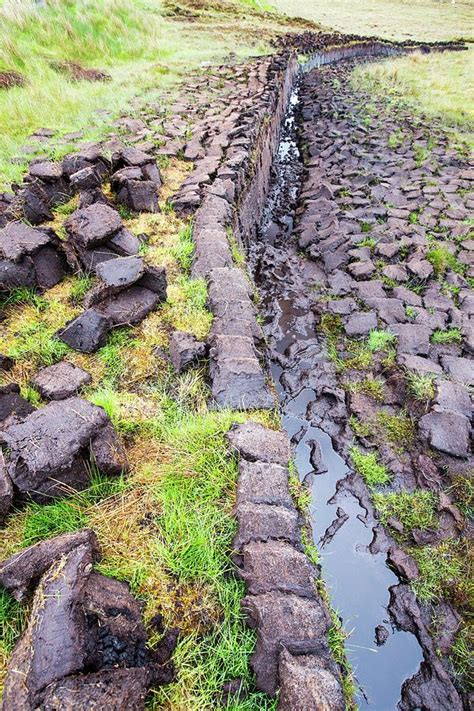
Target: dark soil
10	79
76	72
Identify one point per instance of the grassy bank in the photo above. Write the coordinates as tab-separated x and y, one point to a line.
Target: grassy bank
436	84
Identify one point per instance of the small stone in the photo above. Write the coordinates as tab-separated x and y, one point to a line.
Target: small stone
93	225
412	338
121	272
404	565
60	381
23	570
360	324
419	365
12	404
6	491
6	363
263	483
85	179
240	383
262	522
361	269
276	565
18	240
284	621
155	280
381	635
446	431
460	369
420	268
407	296
87	332
46	170
124	243
185	350
130	306
108	452
396	272
453	396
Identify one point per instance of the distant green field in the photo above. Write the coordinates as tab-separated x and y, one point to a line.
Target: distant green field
431	20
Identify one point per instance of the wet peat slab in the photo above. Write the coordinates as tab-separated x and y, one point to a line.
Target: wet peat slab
346	249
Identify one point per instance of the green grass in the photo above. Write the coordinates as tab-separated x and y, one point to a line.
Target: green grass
442	259
413	510
38	341
460	656
184	250
12	620
432	83
380	340
444	573
449	335
421	387
429	20
372	387
368	466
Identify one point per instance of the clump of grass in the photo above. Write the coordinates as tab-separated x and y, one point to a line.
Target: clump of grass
79	289
13	616
369	242
463	489
460	656
444	572
186	307
37	341
300	493
398	429
30	394
184	250
113	357
23	295
413	510
368	466
48	520
236	250
372	387
446	336
421	386
380	340
360	429
441	259
411	312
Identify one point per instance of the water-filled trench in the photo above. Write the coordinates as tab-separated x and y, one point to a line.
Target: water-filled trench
342	520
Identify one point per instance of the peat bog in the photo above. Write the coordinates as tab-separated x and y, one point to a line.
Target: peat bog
236	367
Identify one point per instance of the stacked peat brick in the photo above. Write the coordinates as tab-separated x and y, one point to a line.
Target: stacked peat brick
282	601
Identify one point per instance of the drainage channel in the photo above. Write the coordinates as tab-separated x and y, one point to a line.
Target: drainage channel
342	520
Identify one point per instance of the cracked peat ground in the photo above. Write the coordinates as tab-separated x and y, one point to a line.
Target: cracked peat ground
364	267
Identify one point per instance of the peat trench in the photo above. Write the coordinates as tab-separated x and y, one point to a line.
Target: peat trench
302	224
388	639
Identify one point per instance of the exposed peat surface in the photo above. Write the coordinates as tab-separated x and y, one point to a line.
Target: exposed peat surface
311	266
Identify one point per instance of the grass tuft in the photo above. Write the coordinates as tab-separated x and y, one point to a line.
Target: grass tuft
413	510
368	466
